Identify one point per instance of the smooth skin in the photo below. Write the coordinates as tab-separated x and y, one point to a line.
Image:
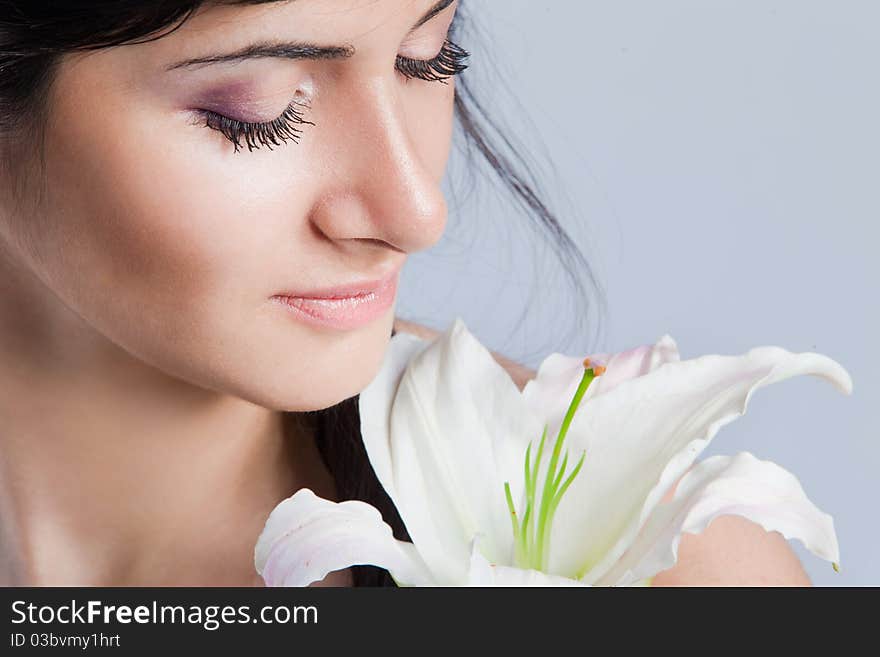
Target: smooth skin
143	367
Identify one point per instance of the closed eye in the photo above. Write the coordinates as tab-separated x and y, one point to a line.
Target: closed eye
448	62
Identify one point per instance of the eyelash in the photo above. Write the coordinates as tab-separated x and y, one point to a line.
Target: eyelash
267	133
448	62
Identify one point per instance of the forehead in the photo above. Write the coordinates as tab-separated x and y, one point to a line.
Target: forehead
362	27
322	21
367	28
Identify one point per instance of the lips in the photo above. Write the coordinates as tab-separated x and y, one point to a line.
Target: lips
344	306
347	290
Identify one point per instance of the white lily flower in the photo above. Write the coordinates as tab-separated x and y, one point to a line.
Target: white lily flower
472	467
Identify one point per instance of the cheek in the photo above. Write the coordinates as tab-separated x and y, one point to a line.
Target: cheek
161	235
148	218
428	110
431	119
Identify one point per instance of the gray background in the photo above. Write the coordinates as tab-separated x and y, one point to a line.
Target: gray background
717	162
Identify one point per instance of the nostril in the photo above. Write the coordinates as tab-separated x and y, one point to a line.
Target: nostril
382	243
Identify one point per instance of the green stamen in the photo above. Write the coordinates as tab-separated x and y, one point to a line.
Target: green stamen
513	519
532	543
552	510
561	472
524	541
528	468
528	518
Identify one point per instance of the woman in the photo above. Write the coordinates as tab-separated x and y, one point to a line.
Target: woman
177	178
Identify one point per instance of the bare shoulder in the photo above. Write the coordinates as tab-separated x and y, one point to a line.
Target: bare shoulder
733	551
519	373
418	330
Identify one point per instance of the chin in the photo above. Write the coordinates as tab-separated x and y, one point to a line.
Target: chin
336	368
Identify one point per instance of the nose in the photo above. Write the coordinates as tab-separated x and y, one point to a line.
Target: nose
382	180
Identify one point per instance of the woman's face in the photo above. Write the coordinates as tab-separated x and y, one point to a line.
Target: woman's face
171	243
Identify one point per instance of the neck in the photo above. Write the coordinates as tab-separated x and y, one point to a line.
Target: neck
114	473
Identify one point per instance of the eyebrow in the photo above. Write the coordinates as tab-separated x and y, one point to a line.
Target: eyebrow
294	50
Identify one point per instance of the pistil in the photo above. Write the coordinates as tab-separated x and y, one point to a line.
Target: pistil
531	534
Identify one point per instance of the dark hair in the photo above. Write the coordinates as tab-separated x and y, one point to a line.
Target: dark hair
34	35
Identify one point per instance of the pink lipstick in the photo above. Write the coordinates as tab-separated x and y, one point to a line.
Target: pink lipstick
342	307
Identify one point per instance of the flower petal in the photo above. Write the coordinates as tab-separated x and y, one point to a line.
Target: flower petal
739	485
306	537
643	434
483	573
444	427
551	391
